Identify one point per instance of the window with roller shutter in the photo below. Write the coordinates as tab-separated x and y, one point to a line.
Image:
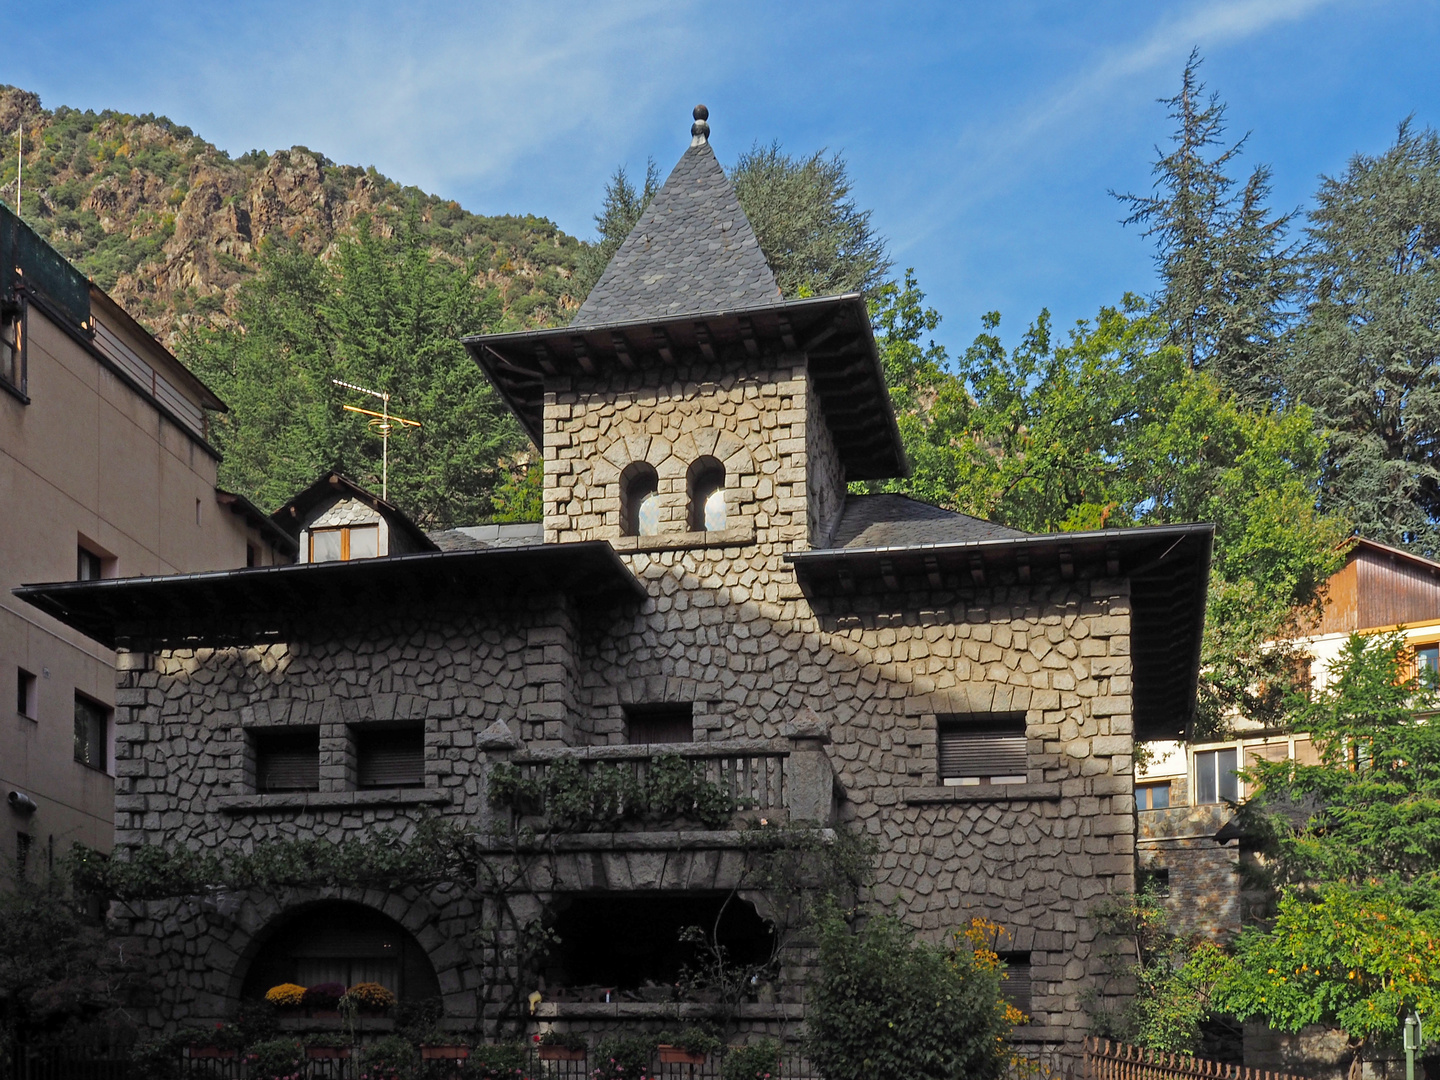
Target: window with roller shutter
988	749
1016	983
390	757
287	760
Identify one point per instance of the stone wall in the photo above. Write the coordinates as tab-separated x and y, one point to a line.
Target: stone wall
725	626
1204	876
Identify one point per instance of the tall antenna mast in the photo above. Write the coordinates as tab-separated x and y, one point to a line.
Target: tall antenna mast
382	422
20	170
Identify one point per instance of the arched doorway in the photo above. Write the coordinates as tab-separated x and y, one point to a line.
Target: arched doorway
335	941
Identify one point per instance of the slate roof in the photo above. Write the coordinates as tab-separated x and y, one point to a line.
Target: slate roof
483	537
876	521
692	251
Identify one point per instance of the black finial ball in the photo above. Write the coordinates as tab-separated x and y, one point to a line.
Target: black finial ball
701	113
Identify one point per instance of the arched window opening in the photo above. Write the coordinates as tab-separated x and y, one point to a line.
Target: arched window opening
707	495
345	943
628	941
640	500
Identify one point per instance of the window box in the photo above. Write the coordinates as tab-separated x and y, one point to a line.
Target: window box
675	1055
212	1051
550	1052
444	1053
327	1053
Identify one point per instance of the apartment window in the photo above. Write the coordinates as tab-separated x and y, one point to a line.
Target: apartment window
88	565
287	759
640	500
23	843
1016	982
390	757
252	557
1215	779
12	351
27	694
92	722
343	543
982	749
1427	664
707	495
1155	881
1152	796
668	723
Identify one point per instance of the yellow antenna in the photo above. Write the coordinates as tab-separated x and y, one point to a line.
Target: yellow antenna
382	422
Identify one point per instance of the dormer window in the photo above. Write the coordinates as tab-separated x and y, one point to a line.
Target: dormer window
640	487
707	495
344	542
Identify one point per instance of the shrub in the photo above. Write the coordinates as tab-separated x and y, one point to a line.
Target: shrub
887	1007
758	1061
323	996
369	995
390	1058
286	996
570	1040
694	1040
624	1058
502	1061
276	1059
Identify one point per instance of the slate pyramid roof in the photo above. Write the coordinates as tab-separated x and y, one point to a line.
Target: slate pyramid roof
692	251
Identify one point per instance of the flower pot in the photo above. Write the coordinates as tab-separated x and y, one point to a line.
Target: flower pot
327	1053
674	1055
560	1053
213	1052
444	1053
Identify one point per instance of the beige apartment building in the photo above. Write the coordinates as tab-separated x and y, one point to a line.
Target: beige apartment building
105	470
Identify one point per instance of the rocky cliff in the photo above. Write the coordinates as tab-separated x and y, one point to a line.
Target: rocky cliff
171	226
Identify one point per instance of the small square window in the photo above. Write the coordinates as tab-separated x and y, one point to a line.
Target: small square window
1427	665
1016	984
390	757
286	759
27	694
1155	881
92	724
667	723
342	543
1215	778
982	749
1152	796
88	565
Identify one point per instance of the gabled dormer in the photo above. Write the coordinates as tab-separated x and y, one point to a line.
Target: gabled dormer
336	520
688	404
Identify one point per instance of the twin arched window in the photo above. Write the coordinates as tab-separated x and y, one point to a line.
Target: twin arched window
640	498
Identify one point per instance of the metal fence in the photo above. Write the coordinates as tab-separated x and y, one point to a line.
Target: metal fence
1106	1060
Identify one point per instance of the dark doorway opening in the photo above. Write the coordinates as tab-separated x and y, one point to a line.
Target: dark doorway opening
335	941
630	940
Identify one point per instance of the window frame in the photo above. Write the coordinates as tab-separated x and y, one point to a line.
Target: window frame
344	533
374	734
27	694
1214	774
1010	726
706	477
19	317
1149	787
1022	964
1416	647
256	743
103	716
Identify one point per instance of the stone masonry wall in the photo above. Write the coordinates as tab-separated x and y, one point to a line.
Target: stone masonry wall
726	627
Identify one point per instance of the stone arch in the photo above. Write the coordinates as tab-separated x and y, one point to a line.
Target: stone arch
261	916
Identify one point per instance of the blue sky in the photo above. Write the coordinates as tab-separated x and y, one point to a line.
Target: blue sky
983	136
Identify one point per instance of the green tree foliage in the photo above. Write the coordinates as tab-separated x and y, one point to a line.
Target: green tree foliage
888	1007
1227	275
619	212
1354	843
1110	426
1368	355
816	240
385	312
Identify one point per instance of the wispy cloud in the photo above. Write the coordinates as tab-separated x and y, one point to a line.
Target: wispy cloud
992	155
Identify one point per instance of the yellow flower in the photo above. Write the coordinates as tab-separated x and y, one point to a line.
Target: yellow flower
285	996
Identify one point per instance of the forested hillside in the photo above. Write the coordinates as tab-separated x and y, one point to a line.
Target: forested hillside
172	226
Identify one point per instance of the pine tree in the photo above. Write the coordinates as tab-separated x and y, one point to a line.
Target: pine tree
620	211
1226	274
1368	355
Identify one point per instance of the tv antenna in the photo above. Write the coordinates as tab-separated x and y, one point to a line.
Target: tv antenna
19	168
382	422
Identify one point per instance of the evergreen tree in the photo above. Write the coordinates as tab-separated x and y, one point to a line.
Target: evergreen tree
1227	276
816	240
620	211
1368	355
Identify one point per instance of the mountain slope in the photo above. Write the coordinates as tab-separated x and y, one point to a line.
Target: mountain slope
170	225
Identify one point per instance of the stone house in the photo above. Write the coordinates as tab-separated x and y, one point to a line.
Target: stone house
965	695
